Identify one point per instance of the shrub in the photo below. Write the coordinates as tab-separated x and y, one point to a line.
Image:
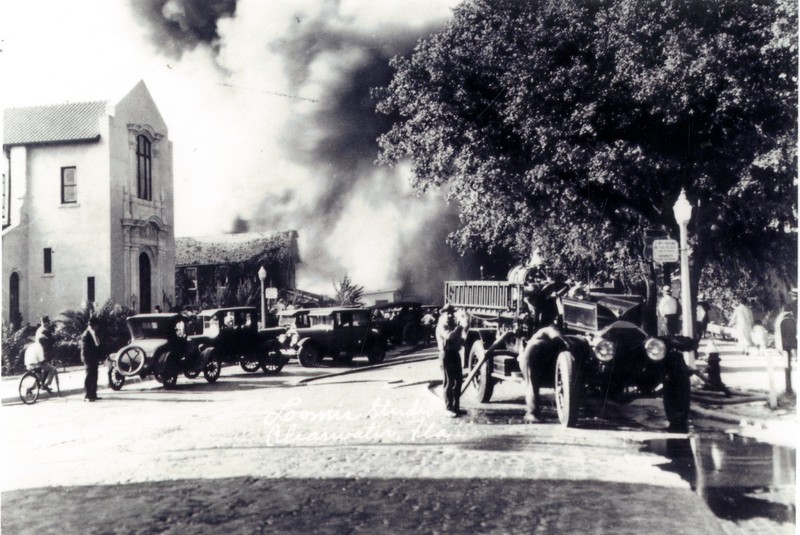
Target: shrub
14	343
112	329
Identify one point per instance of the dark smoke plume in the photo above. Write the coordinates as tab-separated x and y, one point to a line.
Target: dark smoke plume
178	25
344	154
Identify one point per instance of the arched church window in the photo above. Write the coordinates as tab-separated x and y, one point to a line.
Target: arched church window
144	168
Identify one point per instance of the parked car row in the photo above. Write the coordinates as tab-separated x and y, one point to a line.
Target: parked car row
166	345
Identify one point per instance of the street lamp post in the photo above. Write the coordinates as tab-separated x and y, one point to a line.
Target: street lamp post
683	213
262	276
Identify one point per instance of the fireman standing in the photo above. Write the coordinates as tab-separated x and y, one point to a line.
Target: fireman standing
450	337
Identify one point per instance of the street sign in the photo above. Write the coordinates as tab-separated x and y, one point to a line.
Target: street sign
271	293
665	251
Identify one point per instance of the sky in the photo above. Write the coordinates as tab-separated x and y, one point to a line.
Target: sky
269	113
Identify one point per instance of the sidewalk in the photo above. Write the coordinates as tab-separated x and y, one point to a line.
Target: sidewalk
747	378
70	381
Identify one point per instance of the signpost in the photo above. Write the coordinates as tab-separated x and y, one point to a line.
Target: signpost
665	251
271	293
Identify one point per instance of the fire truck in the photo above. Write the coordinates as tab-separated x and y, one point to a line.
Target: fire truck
603	350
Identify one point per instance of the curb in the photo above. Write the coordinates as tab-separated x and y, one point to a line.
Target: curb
724	417
738	419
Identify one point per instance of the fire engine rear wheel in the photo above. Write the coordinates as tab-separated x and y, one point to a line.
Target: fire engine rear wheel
274	361
115	379
130	361
308	356
567	390
482	382
250	364
677	389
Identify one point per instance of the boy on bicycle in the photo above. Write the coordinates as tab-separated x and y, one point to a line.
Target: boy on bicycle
35	356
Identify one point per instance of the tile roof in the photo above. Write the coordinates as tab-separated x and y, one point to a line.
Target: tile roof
77	121
230	248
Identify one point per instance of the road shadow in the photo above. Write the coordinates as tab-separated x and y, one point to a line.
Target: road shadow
362	505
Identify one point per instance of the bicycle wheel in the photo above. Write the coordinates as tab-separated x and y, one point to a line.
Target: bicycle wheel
28	388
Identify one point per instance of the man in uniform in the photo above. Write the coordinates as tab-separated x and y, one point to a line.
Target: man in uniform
450	337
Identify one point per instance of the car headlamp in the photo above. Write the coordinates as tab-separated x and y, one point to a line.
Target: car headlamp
656	349
604	349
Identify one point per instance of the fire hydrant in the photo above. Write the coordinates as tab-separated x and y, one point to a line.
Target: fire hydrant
713	364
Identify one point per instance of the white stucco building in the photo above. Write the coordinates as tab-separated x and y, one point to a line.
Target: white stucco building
87	207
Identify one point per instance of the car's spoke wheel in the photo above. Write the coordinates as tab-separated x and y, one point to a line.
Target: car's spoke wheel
274	362
567	390
28	388
308	356
130	361
212	370
482	382
250	364
115	379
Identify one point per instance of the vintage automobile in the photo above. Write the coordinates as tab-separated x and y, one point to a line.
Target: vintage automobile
603	351
399	322
159	347
340	333
232	335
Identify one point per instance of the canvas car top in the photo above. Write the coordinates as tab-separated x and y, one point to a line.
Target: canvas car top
155	316
214	311
396	304
331	310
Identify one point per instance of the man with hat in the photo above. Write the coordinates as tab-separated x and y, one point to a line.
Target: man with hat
450	337
668	313
91	356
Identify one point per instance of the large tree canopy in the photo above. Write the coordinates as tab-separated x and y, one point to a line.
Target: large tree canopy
572	126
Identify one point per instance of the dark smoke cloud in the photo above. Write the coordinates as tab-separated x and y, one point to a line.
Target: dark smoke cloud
179	25
335	137
345	152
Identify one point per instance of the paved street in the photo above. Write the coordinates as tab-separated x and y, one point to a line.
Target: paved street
304	451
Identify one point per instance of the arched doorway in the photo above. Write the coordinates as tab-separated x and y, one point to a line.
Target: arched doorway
144	283
13	301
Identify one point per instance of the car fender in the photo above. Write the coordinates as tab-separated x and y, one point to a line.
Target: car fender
577	345
487	336
271	344
206	354
306	342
